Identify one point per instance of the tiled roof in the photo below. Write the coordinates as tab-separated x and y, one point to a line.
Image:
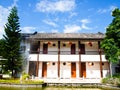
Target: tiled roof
54	36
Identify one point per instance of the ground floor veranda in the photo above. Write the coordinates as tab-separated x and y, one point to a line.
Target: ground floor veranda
68	70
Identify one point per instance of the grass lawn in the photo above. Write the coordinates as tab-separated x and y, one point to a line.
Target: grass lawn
18	81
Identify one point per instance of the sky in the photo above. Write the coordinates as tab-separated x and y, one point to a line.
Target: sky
60	16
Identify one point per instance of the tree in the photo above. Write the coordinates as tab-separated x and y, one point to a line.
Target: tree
1	47
111	42
12	40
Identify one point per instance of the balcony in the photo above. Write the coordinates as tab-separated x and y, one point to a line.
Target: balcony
66	56
65	52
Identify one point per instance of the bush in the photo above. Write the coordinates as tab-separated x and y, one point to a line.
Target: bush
115	80
25	76
117	75
105	80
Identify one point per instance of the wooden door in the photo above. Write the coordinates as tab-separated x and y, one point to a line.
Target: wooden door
82	48
45	48
73	70
73	49
83	69
44	69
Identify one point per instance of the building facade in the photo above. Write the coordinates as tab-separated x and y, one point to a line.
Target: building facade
65	55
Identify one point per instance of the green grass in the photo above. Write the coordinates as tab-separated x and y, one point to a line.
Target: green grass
18	81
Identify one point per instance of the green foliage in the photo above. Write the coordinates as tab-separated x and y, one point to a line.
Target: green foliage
25	76
115	79
1	46
117	75
11	43
105	80
111	42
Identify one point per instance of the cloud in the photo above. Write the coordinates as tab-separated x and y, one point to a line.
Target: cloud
83	26
84	22
76	28
60	6
14	2
72	28
50	23
73	14
54	31
111	8
28	29
4	12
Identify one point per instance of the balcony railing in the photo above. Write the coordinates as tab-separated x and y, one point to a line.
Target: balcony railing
66	52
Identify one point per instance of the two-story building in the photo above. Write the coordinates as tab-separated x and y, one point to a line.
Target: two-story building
65	55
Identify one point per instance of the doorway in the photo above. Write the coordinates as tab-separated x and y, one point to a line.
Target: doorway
73	49
44	69
45	48
83	69
73	70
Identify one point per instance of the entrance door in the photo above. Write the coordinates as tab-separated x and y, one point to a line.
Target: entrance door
73	49
83	69
44	69
73	70
45	48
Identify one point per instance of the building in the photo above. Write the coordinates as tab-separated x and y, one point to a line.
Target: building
65	55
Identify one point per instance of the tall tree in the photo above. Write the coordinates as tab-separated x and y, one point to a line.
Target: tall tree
12	40
1	46
111	42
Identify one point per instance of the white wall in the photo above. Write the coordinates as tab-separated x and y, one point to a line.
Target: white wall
94	71
65	70
105	68
72	58
51	70
94	46
93	58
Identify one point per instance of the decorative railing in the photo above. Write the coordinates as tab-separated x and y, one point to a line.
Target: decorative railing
66	52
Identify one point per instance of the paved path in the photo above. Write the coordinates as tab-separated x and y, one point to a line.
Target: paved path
79	80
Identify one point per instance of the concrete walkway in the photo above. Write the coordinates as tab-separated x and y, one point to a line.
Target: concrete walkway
78	80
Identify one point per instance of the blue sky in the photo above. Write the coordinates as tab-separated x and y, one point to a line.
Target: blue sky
60	16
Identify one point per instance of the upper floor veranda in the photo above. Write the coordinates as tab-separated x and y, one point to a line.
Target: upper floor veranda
63	43
65	47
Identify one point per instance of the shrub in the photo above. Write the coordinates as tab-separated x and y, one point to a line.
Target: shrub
115	80
25	76
117	75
